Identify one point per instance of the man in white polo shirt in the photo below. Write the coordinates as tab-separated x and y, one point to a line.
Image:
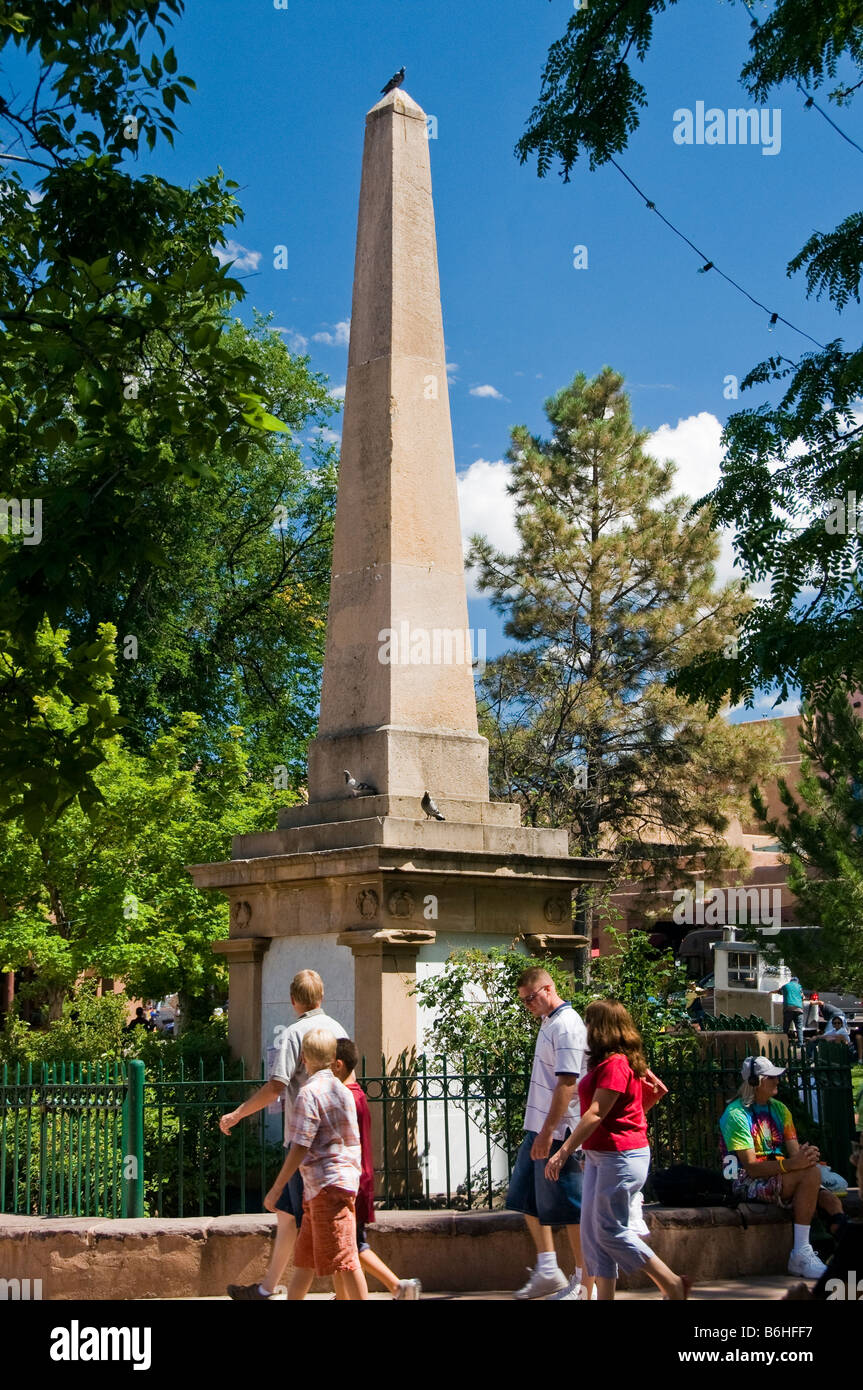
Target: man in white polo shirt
287	1075
552	1112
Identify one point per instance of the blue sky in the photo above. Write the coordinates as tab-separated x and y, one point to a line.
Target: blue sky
280	106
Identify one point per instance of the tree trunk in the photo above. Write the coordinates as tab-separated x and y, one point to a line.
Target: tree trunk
56	999
7	992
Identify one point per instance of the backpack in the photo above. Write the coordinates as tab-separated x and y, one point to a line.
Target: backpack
684	1185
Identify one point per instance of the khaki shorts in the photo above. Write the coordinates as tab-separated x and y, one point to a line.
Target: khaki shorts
327	1239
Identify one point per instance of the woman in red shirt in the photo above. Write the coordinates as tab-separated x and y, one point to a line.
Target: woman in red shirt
612	1132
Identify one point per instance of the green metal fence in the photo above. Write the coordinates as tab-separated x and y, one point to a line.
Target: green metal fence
70	1139
191	1168
446	1132
104	1139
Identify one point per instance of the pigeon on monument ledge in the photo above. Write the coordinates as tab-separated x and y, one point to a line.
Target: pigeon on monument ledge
430	809
395	81
359	788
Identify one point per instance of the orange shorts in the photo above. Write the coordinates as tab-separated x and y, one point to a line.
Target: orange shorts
327	1239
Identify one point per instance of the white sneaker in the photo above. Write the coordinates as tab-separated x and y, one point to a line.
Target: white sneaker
540	1284
409	1289
806	1263
582	1293
574	1293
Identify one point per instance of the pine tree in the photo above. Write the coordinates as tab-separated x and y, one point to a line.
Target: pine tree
613	587
821	833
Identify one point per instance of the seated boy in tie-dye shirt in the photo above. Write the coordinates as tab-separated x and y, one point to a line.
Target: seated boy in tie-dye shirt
764	1128
761	1155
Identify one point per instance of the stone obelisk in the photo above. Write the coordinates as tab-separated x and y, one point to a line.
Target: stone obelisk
390	713
364	888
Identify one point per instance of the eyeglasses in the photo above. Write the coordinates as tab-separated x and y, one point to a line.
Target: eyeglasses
529	998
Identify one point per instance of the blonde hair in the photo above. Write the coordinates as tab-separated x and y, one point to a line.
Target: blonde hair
319	1049
307	989
746	1092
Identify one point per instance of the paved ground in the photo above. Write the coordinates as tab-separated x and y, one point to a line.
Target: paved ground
749	1289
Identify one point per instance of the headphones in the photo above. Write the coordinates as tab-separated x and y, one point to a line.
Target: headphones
753	1072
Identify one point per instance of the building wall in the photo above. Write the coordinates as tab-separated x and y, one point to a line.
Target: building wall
286	957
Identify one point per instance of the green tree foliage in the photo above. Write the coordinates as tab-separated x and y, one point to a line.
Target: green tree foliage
821	833
233	626
108	892
786	464
112	350
477	1012
482	1028
92	1028
613	585
648	982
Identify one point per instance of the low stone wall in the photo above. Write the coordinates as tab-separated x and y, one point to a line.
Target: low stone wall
457	1251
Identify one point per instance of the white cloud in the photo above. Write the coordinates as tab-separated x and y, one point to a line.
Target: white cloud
338	393
340	337
324	433
294	341
695	445
451	369
651	386
763	708
242	257
491	392
486	507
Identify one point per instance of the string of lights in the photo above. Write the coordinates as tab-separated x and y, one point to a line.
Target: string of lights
810	101
709	264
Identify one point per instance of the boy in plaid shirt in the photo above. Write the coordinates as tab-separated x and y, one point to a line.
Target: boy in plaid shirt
324	1141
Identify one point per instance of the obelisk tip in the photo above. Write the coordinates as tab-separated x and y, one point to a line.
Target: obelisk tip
400	103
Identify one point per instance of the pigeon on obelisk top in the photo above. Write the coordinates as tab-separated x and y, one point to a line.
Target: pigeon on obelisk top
395	81
397	706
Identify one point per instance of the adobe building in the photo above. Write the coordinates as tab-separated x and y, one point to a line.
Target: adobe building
365	888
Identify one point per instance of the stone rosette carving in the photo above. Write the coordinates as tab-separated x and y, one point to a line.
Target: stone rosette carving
367	904
241	914
401	903
557	911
